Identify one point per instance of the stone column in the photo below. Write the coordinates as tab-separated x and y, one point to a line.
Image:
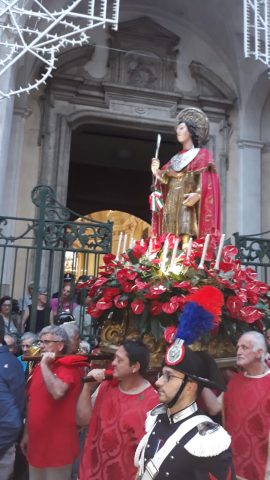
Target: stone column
12	180
250	183
55	153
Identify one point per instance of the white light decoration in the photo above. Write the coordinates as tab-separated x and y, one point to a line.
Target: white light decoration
257	30
43	32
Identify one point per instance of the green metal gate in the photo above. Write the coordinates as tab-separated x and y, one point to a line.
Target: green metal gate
39	249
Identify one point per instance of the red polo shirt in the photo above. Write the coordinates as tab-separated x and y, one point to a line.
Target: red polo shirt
53	434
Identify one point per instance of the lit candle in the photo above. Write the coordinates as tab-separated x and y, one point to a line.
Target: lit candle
205	247
221	243
164	254
174	253
124	243
189	247
119	245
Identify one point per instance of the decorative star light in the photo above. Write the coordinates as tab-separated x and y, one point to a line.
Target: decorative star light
43	32
257	30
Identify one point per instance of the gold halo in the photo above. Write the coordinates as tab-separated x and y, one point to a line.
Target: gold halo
200	120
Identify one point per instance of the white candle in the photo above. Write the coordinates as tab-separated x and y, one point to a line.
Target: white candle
119	245
131	242
150	247
174	253
205	247
124	243
221	243
164	254
189	247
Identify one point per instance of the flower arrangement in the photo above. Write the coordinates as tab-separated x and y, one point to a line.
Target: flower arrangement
153	280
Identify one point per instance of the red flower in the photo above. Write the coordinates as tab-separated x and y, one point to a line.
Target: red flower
120	302
253	287
234	305
137	306
108	258
170	237
157	290
139	285
251	273
104	304
226	266
139	250
127	287
94	311
242	294
155	308
110	292
250	314
169	334
171	306
100	281
228	252
263	288
183	285
252	297
126	274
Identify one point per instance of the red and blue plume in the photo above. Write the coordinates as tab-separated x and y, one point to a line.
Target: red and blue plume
201	314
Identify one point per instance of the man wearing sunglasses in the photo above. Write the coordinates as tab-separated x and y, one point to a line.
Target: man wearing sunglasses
181	442
50	440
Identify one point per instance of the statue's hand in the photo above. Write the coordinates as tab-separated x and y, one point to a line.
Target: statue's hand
155	166
191	199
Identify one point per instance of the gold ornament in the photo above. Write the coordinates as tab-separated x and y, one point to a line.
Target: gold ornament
112	334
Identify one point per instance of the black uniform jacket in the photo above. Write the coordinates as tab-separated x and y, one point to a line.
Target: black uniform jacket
182	465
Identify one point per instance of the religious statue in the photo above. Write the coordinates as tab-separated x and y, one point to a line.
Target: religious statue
188	185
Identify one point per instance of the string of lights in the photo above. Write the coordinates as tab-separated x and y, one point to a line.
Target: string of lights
257	30
43	32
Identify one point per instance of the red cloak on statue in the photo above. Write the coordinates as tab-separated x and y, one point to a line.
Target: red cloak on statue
210	204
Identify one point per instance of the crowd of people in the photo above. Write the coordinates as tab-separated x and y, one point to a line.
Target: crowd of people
70	304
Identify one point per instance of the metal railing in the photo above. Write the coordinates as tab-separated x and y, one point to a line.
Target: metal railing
36	249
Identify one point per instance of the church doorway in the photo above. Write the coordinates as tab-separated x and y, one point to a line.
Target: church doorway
110	169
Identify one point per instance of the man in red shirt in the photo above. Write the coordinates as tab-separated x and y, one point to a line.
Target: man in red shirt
117	415
50	440
247	409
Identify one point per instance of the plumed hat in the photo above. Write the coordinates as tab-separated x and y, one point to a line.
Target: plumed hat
200	315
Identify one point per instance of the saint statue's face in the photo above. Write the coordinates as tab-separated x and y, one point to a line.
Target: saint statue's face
182	133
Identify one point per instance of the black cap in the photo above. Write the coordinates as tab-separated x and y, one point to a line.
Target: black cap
199	366
68	277
64	317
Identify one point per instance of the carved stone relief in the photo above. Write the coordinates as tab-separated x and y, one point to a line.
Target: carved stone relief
143	54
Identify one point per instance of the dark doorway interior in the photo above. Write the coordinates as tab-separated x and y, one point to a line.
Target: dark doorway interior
110	169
